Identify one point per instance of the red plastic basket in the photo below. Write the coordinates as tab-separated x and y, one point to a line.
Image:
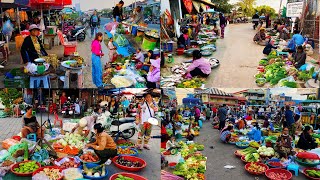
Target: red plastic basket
22	174
246	167
237	154
49	167
130	175
71	159
69	49
309	177
18	138
180	51
130	158
278	170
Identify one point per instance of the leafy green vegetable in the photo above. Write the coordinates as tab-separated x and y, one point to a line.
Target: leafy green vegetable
263	62
303	75
289	84
260	75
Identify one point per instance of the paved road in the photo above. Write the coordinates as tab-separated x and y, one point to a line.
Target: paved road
221	155
12	126
239	57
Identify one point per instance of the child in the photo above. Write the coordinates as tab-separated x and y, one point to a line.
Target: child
112	50
171	143
96	60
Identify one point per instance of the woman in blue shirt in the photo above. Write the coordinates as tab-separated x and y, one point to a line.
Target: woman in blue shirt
255	133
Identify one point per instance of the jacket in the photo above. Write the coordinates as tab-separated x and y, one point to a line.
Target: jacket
94	24
28	51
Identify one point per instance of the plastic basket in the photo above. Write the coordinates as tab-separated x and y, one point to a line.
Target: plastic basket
278	170
19	80
255	173
173	158
69	49
308	176
149	44
130	158
130	175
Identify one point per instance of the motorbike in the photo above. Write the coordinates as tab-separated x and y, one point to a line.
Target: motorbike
67	109
73	34
124	127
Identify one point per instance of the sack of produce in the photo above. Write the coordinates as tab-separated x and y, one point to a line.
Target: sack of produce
6	144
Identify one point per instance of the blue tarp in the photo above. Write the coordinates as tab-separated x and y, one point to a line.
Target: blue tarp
22	2
124	51
190	102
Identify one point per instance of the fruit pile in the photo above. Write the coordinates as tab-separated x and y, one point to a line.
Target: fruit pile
313	173
125	162
256	168
194	83
121	177
70	164
27	167
52	174
254	144
127	143
89	157
126	150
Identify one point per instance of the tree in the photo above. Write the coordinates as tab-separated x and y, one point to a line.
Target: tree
246	7
223	6
264	9
8	95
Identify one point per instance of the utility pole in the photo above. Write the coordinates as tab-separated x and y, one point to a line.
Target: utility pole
279	14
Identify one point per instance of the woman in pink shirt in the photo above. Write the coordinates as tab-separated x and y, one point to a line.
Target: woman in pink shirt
199	66
96	60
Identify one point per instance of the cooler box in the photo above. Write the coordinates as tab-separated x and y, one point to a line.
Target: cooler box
69	49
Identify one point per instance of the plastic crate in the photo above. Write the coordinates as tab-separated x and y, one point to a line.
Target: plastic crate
69	49
20	80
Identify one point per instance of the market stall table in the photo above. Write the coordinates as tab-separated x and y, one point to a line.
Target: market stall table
69	70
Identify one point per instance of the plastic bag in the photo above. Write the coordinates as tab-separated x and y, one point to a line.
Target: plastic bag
120	40
31	67
6	144
113	30
110	26
4	154
7	28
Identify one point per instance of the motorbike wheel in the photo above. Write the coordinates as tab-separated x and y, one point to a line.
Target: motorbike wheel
81	37
127	134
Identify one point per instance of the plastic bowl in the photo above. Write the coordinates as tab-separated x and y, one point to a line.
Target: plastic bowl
133	149
278	170
237	154
261	81
130	175
92	165
89	162
241	146
23	174
49	167
306	164
71	159
172	165
246	167
130	158
310	168
274	160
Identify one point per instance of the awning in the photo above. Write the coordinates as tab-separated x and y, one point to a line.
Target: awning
206	2
196	5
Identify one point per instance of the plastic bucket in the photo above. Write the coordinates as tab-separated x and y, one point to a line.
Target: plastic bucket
134	30
170	46
148	44
164	46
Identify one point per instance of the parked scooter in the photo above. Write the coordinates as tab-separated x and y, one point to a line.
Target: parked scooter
67	109
122	127
73	34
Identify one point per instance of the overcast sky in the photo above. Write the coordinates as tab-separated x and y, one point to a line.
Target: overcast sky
273	3
100	4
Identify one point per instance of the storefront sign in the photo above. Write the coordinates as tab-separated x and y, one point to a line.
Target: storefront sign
294	9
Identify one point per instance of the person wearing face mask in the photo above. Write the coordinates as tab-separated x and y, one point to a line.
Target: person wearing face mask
32	47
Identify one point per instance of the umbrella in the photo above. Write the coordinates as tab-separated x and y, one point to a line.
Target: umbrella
210	11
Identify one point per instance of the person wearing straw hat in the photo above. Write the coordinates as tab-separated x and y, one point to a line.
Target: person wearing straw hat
153	76
32	48
260	37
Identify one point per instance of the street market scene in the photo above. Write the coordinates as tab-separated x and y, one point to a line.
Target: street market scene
267	43
80	44
80	134
234	133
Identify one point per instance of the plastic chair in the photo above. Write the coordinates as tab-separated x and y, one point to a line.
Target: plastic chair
293	167
35	81
32	137
57	119
69	47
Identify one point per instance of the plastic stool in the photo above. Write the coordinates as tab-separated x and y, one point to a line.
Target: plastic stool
32	137
44	79
293	167
57	120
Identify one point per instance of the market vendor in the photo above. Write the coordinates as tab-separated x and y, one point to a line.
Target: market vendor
225	134
267	50
260	37
32	48
284	33
31	125
306	141
104	146
138	16
139	56
184	40
299	57
153	76
283	146
147	62
85	122
241	124
199	66
171	143
255	133
177	117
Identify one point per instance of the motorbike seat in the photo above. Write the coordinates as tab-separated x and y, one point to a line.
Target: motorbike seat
74	31
116	122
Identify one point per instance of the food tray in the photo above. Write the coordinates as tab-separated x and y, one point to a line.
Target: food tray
130	175
130	158
23	174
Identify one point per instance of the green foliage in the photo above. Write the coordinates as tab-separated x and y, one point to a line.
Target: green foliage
8	95
246	7
223	6
264	9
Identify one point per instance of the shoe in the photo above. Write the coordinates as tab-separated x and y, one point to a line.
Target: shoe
146	147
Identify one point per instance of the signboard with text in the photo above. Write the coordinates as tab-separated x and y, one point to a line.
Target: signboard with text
294	9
